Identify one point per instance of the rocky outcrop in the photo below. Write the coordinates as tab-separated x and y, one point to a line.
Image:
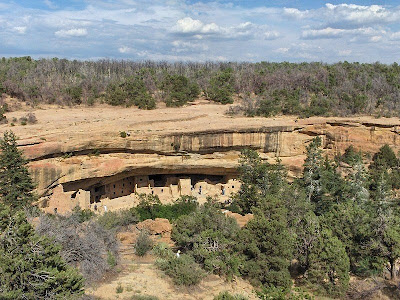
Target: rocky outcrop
84	145
159	230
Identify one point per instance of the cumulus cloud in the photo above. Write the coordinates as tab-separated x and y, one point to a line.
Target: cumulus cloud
347	15
295	13
200	30
75	32
246	30
361	15
189	25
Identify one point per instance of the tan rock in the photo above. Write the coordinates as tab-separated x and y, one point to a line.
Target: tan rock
156	227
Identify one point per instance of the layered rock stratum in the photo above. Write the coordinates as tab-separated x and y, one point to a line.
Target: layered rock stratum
83	144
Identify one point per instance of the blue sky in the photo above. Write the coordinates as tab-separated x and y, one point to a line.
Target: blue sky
190	30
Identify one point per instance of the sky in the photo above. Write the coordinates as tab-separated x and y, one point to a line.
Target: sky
191	30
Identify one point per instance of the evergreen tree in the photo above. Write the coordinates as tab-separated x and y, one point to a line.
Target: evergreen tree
16	187
30	265
385	242
208	235
385	162
312	170
357	183
329	264
258	180
307	232
267	246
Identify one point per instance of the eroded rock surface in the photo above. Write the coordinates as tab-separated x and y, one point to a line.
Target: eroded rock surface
85	145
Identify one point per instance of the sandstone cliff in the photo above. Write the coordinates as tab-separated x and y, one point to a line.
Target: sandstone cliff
84	144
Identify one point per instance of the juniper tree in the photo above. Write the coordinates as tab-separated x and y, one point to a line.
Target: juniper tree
258	180
16	186
329	264
30	265
267	246
385	241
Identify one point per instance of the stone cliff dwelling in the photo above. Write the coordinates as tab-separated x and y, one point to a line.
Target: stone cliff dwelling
122	191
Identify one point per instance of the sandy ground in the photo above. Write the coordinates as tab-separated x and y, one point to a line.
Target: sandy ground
55	123
145	279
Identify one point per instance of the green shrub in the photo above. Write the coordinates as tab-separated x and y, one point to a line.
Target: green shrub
143	243
351	156
183	270
115	219
144	297
273	293
228	296
115	95
82	215
119	289
122	134
150	207
162	250
138	94
111	259
221	87
209	236
178	90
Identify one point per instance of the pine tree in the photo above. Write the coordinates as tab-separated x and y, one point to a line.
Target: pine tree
312	170
16	187
267	246
30	265
385	242
258	180
329	264
358	184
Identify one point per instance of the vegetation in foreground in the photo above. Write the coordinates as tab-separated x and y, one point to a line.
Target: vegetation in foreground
267	89
339	218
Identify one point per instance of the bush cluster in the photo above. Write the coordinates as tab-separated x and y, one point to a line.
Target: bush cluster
304	89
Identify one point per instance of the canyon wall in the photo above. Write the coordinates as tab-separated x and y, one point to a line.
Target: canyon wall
88	158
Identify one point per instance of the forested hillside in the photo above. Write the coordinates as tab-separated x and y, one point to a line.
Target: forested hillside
265	88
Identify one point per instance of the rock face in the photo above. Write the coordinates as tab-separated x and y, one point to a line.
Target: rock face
84	145
158	229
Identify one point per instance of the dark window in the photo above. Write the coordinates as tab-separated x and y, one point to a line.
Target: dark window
123	184
233	186
114	193
114	186
140	179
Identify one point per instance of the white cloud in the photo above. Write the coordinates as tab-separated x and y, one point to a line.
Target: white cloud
344	52
282	50
125	50
323	33
202	30
50	4
331	33
360	14
271	35
395	36
182	46
20	29
295	13
75	32
189	25
347	15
